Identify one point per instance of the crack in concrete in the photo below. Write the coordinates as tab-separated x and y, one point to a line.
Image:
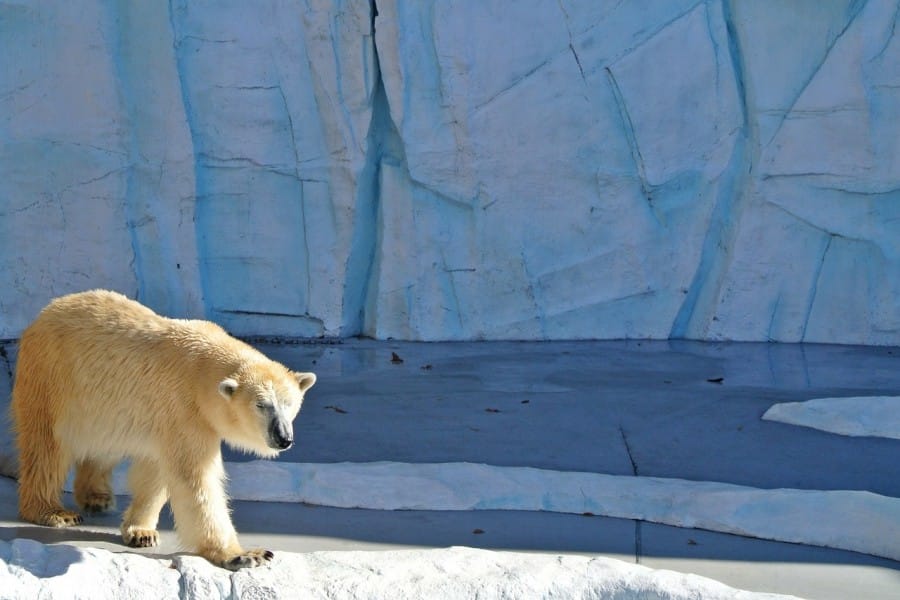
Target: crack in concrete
248	87
631	137
820	228
772	315
634	467
890	36
12	92
206	40
95	179
638	524
514	83
306	249
571	41
638	541
855	11
454	294
265	313
815	289
301	181
21	209
443	196
578	62
80	145
200	210
532	289
211	161
645	35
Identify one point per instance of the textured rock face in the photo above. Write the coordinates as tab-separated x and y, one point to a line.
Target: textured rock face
459	170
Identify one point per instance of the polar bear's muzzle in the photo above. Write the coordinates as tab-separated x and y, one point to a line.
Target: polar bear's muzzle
281	434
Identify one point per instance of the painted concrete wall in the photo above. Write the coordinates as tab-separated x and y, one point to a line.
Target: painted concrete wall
459	169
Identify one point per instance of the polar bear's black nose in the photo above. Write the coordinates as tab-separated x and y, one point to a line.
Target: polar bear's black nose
283	443
280	436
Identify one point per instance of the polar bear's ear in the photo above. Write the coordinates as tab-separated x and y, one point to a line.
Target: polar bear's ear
305	380
227	387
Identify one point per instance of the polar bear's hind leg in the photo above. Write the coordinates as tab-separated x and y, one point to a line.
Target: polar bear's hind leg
93	490
42	472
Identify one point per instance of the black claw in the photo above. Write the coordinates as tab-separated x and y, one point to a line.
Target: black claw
251	559
142	541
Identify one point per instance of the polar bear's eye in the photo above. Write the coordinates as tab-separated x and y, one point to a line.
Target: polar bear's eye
260	404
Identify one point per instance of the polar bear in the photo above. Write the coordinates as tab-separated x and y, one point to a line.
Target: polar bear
101	378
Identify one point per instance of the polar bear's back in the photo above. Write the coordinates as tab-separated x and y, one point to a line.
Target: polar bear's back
99	311
122	326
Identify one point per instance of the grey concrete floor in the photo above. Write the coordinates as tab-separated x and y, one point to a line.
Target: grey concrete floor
627	408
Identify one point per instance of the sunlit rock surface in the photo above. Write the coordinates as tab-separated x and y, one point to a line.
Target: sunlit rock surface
34	570
459	170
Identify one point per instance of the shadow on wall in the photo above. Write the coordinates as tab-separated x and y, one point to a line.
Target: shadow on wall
9	464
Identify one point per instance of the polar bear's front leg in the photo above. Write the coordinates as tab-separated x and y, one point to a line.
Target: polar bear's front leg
203	522
149	495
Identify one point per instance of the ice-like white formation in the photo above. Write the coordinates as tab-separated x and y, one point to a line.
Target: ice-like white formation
875	416
29	569
459	170
851	520
845	519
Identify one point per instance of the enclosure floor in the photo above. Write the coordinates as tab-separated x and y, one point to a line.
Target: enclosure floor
682	410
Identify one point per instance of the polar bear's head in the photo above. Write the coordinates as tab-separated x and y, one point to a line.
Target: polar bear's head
263	400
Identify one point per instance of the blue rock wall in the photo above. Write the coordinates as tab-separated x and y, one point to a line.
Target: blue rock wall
542	169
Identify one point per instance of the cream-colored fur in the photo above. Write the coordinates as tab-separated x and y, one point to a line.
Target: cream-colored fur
101	378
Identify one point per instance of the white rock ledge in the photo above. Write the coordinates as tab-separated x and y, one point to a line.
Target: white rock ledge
853	520
30	570
872	416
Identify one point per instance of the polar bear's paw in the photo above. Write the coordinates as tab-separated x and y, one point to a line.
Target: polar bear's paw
60	518
140	538
249	559
96	502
